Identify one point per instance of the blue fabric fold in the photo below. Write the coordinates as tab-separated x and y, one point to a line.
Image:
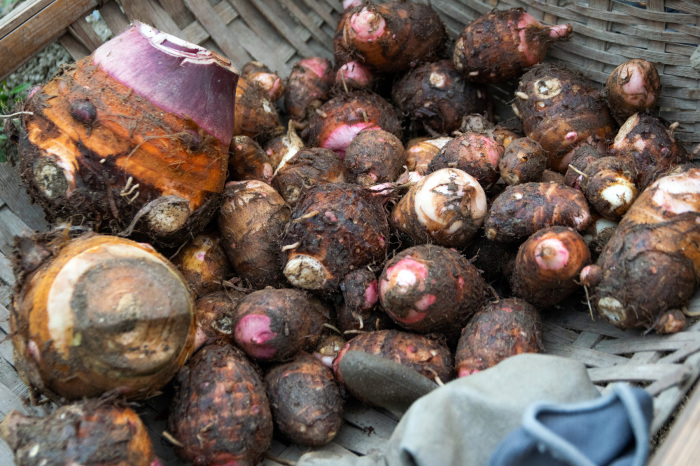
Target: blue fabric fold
609	430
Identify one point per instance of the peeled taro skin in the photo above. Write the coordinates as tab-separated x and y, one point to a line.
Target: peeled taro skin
428	356
274	324
649	146
89	432
335	228
523	209
499	330
559	108
220	413
308	167
436	96
374	156
305	400
499	45
431	289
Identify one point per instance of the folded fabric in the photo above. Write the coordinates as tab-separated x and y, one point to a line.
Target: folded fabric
611	430
463	422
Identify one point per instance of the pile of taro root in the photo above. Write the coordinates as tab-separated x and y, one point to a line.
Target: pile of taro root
233	254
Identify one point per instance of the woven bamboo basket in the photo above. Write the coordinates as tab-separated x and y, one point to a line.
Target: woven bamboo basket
278	33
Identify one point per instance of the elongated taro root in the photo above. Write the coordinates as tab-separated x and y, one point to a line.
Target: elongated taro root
523	209
523	161
112	141
428	356
475	153
548	265
651	265
435	96
499	45
256	116
89	432
559	108
308	167
420	152
431	289
101	313
259	75
649	146
305	399
498	331
252	220
274	324
633	87
203	263
340	119
214	315
335	228
248	161
446	207
308	87
374	156
390	37
220	414
609	184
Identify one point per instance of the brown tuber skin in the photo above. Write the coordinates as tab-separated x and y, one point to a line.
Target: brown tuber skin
475	153
260	75
338	121
256	116
446	207
305	400
581	156
354	75
103	313
548	204
220	414
429	357
633	87
498	331
309	167
559	108
390	37
214	314
308	87
420	152
431	289
649	147
251	220
203	263
523	161
652	262
335	228
89	432
547	266
373	157
609	184
283	147
435	97
248	161
274	324
499	45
